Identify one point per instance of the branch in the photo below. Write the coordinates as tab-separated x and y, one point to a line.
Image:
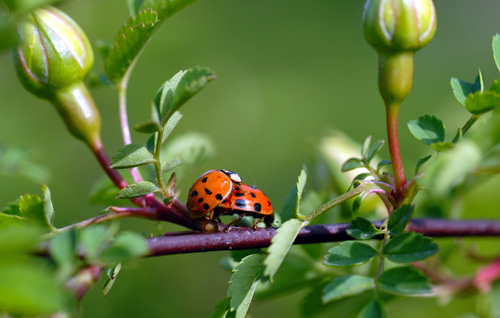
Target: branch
239	238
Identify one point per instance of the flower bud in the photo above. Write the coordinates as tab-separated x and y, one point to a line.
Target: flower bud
53	52
399	25
52	59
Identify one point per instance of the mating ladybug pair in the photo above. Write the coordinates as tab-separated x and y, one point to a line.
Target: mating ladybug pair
218	192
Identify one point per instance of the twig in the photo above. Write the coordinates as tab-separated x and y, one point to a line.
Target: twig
247	238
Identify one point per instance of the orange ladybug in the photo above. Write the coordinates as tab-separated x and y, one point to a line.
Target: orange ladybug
248	200
211	188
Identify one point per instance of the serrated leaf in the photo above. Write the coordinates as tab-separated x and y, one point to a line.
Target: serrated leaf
374	148
19	239
137	190
243	283
461	89
170	164
32	208
112	274
349	253
362	229
131	155
346	286
420	162
180	88
280	245
374	309
48	208
496	50
129	43
8	220
124	247
410	247
428	129
63	249
352	163
170	125
481	102
405	280
166	8
292	202
399	220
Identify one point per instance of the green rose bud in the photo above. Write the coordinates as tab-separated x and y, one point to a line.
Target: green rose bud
52	59
399	25
396	29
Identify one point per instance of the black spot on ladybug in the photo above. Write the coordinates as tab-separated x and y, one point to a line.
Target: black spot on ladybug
194	193
218	197
253	195
205	206
239	194
208	191
204	179
240	203
257	207
200	200
268	203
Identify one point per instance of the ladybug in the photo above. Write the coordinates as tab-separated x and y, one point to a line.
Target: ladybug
247	200
211	188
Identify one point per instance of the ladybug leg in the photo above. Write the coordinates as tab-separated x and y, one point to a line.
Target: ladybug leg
233	222
254	226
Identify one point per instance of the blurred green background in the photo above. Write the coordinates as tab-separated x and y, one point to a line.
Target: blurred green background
287	71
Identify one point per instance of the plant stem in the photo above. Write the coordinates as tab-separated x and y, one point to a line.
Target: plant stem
469	123
338	200
122	97
157	164
392	136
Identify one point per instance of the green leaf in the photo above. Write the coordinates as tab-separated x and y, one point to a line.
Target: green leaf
383	163
180	88
33	209
16	240
137	190
374	309
420	162
399	220
292	202
352	163
410	247
374	148
405	280
170	164
462	89
366	146
94	239
243	283
18	162
48	208
346	286
148	127
165	8
349	253
131	155
170	125
280	245
124	247
481	102
442	146
362	229
63	249
493	305
8	220
112	274
496	50
428	129
28	288
129	43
